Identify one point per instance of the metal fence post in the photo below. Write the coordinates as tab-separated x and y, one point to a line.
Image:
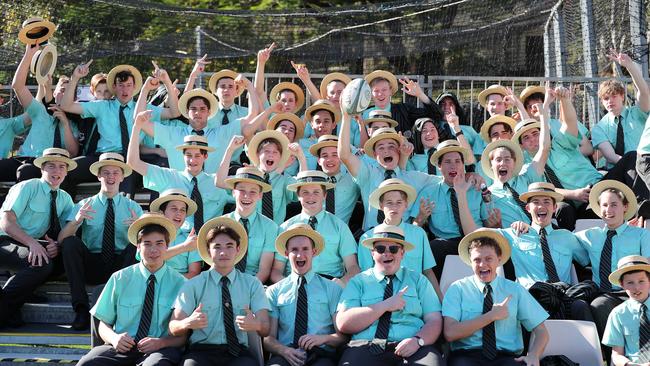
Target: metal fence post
589	57
637	33
199	51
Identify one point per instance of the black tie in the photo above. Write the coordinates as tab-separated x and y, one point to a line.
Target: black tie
489	333
644	334
198	132
454	209
606	262
549	265
228	319
619	149
431	169
57	135
147	309
241	265
196	197
108	237
124	131
552	177
224	120
519	202
313	222
302	314
330	200
384	321
55	225
267	200
388	174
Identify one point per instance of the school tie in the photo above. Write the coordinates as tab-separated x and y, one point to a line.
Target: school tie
108	236
644	334
225	120
489	334
124	130
619	149
228	319
519	202
198	132
605	266
384	322
330	200
552	177
431	169
313	222
388	174
241	265
454	209
302	314
196	197
267	200
55	225
57	135
549	265
147	309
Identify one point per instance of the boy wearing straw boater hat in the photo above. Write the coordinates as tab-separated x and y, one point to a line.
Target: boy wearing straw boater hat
322	116
291	126
391	311
338	261
628	325
135	306
303	305
221	304
228	85
103	247
30	222
483	313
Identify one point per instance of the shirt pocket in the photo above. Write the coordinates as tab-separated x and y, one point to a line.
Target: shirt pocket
412	306
164	306
129	310
369	299
471	310
631	334
562	256
40	208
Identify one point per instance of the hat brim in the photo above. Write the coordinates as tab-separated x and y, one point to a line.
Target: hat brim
138	224
517	134
214	79
110	78
190	146
530	91
232	181
202	243
309	113
191	205
315	148
184	99
375	196
369	243
269	134
391	122
459	149
294	186
126	169
334	76
36	32
485	157
283	238
44	59
615	277
369	146
485	128
463	246
300	95
72	165
557	197
392	80
483	95
598	188
297	122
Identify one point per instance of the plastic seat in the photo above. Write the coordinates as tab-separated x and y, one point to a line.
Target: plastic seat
575	339
255	347
454	269
584	224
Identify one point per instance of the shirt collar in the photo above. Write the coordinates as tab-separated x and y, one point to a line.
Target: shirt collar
216	276
45	186
481	286
380	276
103	198
319	216
189	176
129	105
250	217
160	273
619	230
308	276
549	228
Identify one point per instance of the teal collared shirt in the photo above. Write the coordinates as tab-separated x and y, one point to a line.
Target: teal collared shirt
633	119
41	133
93	230
106	114
572	168
629	240
245	291
418	259
322	298
528	259
339	243
503	200
214	199
367	288
262	232
9	129
622	329
236	113
346	195
305	144
473	139
281	195
464	301
180	262
419	162
120	303
644	142
30	201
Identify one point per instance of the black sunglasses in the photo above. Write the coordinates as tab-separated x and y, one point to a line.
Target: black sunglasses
393	249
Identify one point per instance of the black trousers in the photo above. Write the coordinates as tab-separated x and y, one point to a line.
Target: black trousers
476	358
441	248
83	267
216	354
360	355
277	360
106	355
18	169
643	170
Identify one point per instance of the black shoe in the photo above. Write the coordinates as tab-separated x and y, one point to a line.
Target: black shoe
35	298
15	320
644	209
81	321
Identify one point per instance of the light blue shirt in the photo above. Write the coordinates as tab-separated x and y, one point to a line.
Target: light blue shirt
236	113
305	144
419	162
644	142
473	139
281	195
41	132
504	201
262	232
633	119
346	195
622	329
9	129
572	168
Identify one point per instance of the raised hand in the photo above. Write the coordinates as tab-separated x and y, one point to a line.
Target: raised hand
396	302
82	70
301	70
621	58
130	220
500	310
199	65
198	319
410	87
143	117
264	54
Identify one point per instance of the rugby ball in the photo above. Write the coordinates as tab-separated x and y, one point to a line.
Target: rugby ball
356	96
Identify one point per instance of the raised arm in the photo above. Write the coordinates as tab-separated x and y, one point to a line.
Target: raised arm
568	114
171	111
254	106
262	57
540	158
71	142
197	70
461	185
141	105
67	102
303	75
133	153
351	161
643	96
257	123
454	124
222	172
19	83
511	100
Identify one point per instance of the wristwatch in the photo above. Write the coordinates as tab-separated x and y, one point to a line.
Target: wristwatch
420	341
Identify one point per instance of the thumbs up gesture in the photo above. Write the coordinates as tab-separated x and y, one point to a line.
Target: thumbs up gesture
500	310
248	322
198	319
396	302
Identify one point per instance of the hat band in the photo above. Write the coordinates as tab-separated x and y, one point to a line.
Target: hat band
389	235
527	124
250	176
197	143
56	155
634	263
542	190
177	194
37	32
312	180
113	159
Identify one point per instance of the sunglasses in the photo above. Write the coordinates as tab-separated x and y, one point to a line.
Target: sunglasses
381	249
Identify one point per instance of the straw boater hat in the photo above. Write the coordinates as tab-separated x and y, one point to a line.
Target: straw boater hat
378	115
299	230
248	174
195	142
113	159
44	62
320	105
447	147
202	242
603	185
137	77
381	134
269	134
499	118
291	117
174	194
530	91
55	154
334	76
393	184
306	177
485	157
541	189
183	106
36	31
390	233
492	89
151	218
628	264
524	126
274	96
463	247
323	141
225	73
392	80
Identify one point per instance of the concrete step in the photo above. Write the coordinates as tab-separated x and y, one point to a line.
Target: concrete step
52	313
13	359
53	351
45	334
